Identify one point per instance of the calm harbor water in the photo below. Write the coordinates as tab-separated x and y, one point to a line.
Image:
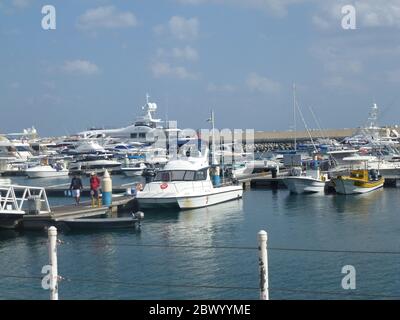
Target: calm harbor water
119	265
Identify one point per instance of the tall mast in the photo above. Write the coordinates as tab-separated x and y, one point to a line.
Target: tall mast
294	117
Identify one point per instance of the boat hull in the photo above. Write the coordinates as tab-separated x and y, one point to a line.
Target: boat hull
46	174
218	195
348	186
132	173
299	185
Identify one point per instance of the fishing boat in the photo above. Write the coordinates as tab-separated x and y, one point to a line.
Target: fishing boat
186	184
309	180
359	180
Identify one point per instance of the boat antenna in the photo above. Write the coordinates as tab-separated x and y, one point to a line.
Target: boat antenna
166	109
212	120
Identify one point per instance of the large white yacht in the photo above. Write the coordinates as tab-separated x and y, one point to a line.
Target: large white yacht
145	129
185	183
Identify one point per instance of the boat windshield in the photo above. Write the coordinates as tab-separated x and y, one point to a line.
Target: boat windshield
181	175
22	148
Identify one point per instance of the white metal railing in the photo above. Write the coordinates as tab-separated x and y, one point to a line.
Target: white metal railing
9	202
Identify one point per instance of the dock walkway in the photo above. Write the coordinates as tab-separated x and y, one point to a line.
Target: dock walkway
83	210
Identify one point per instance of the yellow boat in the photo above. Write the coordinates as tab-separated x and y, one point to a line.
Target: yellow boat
359	181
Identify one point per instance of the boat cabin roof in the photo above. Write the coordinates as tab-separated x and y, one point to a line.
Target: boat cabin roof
359	158
192	164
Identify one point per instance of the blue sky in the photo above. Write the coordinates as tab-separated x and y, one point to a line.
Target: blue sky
237	57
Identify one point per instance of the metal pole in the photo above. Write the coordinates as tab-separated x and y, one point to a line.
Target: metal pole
294	117
263	265
52	234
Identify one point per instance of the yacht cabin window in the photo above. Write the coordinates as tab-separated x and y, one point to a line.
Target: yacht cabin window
181	175
177	175
189	176
201	175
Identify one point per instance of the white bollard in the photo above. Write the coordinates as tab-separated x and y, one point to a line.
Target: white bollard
52	234
263	264
106	189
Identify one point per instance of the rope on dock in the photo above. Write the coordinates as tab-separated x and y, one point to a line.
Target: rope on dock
155	245
214	287
343	294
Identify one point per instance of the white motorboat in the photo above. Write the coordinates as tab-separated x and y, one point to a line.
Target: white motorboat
310	180
94	162
46	171
186	184
134	170
304	184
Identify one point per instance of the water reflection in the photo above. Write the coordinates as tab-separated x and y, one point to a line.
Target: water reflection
361	204
215	213
8	235
303	203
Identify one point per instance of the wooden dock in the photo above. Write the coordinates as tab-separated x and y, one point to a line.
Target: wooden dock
61	189
267	182
263	180
72	211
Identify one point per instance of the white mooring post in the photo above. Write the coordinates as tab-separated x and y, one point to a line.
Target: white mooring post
52	233
263	264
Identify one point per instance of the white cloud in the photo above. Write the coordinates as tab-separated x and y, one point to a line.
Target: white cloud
321	23
221	88
262	84
164	69
179	27
274	7
21	4
186	53
107	17
80	67
343	83
369	13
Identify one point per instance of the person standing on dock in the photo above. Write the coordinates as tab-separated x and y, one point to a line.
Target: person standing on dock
76	187
94	188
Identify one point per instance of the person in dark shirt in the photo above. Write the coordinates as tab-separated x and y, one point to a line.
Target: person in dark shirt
76	187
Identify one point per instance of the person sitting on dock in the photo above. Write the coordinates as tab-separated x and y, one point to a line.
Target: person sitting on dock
94	188
76	187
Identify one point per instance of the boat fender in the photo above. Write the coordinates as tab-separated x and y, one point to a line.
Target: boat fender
139	215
